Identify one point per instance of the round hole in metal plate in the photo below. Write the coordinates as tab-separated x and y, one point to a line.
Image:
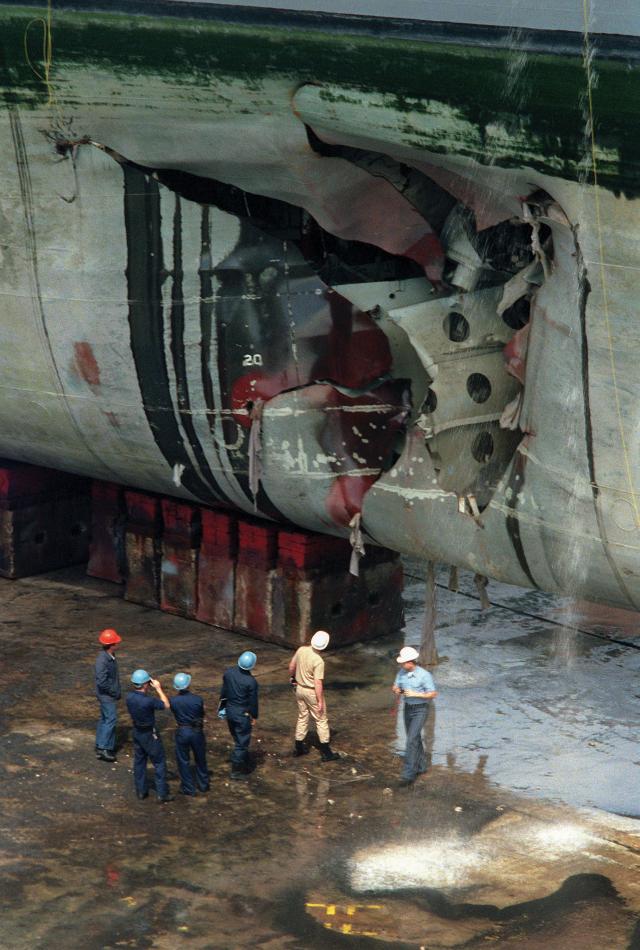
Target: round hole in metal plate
517	315
431	402
482	447
478	387
456	326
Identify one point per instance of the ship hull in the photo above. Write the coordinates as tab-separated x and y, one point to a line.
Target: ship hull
141	324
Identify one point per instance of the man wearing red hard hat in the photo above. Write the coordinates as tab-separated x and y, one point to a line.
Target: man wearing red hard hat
108	693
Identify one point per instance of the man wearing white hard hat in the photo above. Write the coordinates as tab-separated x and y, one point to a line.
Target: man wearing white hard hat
306	670
418	689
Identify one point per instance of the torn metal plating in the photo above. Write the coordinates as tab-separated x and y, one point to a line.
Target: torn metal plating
345	349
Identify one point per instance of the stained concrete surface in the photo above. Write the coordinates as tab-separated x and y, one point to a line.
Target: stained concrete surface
522	834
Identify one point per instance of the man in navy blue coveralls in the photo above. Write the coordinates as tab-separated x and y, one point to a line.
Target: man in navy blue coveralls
147	744
189	712
239	695
108	693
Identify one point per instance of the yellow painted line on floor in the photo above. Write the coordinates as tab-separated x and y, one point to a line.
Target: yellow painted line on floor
331	910
350	909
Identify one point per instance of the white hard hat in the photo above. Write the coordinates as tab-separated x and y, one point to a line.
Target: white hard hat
406	654
320	640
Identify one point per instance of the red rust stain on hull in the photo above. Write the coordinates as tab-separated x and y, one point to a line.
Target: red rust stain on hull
85	363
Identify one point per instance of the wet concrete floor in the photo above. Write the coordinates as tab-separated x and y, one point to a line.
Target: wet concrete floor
523	834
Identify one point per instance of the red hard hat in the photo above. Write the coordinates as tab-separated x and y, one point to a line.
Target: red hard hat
107	637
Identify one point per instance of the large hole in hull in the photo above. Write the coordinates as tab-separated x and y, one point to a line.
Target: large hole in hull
465	384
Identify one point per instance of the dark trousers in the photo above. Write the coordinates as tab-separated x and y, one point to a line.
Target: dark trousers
415	760
240	728
147	745
188	739
106	730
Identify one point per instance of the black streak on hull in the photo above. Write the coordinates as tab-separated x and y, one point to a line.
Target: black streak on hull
145	274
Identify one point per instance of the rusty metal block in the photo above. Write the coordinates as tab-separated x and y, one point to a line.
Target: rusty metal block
44	537
108	518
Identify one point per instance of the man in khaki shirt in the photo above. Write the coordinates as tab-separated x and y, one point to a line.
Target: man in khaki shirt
306	670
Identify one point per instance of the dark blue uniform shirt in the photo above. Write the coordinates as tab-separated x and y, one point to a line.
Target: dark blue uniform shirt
186	708
107	676
143	709
240	690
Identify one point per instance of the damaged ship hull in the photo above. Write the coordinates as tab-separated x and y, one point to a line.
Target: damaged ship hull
324	269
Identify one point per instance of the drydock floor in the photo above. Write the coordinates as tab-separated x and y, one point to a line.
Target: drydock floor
525	832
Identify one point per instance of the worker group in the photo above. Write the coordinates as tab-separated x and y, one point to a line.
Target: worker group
238	706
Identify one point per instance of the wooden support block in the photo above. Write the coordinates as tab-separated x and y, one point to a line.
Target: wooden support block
179	580
350	608
24	485
216	588
258	543
219	532
306	551
44	537
179	561
253	602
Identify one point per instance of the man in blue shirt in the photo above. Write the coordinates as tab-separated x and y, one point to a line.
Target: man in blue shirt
418	689
147	744
108	693
239	696
189	712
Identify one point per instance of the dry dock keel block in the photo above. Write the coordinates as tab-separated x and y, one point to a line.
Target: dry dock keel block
44	519
246	575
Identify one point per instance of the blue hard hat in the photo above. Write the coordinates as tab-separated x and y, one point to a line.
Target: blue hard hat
140	677
247	660
181	680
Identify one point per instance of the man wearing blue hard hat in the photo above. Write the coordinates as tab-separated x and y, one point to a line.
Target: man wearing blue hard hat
189	712
147	744
239	698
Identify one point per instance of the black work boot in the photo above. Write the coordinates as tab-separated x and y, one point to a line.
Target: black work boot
300	748
105	755
326	753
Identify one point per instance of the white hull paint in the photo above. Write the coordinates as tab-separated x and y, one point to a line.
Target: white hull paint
564	513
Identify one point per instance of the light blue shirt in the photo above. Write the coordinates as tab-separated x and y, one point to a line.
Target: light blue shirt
418	680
